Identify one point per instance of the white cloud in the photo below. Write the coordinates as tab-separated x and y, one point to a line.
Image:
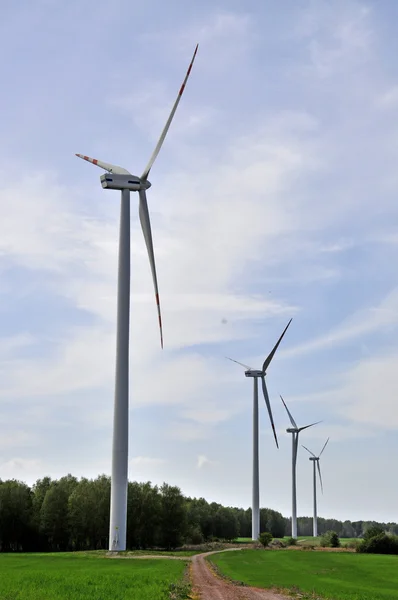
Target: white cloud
339	37
380	319
203	461
262	210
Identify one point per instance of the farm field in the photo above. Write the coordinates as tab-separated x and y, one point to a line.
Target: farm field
88	576
337	576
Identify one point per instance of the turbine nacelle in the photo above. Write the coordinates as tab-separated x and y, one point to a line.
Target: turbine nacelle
254	373
260	374
116	181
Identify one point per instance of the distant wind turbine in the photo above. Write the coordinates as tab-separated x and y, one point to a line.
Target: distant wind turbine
118	178
259	374
295	430
315	460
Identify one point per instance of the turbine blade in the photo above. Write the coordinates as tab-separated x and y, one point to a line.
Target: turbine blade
293	422
104	165
324	446
268	404
295	447
238	363
306	426
320	476
168	122
271	355
146	230
305	448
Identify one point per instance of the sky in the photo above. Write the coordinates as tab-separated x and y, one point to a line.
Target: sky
274	196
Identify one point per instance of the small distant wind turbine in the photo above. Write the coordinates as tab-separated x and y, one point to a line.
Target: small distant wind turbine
256	374
118	178
315	460
295	430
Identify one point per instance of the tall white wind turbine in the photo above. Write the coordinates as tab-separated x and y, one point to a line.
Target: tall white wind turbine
294	430
315	461
118	178
259	374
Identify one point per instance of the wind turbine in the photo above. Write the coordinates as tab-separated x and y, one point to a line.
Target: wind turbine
315	460
118	178
294	430
256	375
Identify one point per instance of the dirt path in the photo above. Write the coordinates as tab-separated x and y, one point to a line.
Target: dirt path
208	586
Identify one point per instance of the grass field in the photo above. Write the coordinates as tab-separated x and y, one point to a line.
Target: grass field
301	540
337	576
86	577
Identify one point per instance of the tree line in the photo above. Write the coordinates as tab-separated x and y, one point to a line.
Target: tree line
72	514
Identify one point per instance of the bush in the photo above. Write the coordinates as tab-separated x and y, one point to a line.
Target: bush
330	539
195	535
352	545
291	541
379	544
265	538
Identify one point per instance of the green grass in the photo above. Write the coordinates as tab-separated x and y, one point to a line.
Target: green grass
181	553
309	540
83	576
337	576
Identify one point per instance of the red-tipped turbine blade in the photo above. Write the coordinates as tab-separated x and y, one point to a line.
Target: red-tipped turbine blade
306	426
293	422
238	363
104	165
168	122
295	446
146	230
268	404
324	447
274	349
320	476
305	448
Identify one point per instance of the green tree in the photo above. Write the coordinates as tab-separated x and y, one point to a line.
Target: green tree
272	521
173	520
143	515
265	538
54	517
373	531
330	539
88	513
226	524
15	516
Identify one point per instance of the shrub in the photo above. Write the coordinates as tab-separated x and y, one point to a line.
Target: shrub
330	539
195	535
353	544
379	544
291	541
265	538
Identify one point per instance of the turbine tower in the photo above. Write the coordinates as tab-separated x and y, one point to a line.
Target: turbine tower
294	430
256	375
118	178
315	461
